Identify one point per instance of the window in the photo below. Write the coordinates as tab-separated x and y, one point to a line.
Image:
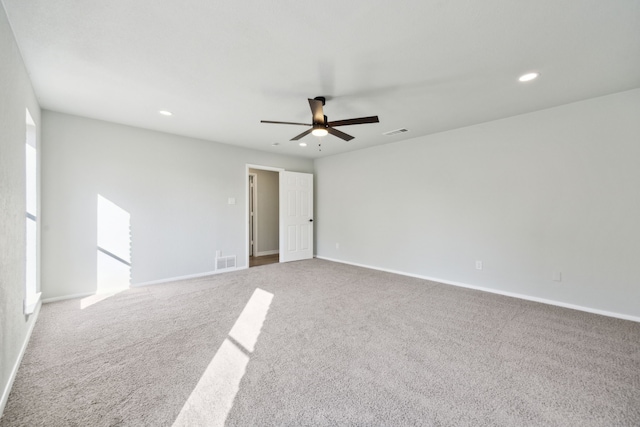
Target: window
31	278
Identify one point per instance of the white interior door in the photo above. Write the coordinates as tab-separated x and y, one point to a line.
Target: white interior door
296	216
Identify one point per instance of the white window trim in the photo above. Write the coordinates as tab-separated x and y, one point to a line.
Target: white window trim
31	302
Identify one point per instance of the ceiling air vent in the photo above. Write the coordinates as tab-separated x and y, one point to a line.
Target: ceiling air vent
396	131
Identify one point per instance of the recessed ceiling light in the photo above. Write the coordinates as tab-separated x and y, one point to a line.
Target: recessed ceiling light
303	144
165	113
528	77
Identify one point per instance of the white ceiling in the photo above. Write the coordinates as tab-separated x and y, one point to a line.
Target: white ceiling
221	67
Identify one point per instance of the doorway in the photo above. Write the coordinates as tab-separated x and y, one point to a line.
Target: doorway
263	216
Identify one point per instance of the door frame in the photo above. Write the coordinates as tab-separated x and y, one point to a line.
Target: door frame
253	221
247	213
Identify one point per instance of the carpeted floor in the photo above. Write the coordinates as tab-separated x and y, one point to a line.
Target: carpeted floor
320	343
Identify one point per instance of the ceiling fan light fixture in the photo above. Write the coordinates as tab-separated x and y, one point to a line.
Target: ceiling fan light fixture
528	77
319	131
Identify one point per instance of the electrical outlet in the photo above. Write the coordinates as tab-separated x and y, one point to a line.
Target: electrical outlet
337	245
557	276
478	265
218	254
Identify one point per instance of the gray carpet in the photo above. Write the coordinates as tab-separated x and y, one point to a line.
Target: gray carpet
335	345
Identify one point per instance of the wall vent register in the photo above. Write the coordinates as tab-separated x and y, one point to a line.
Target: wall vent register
226	263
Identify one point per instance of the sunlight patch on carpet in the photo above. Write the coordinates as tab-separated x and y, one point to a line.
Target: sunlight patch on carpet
212	399
94	299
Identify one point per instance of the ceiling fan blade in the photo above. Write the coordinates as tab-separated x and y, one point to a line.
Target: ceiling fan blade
359	121
342	135
302	135
284	123
316	111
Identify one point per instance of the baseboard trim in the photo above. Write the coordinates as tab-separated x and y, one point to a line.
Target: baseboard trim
16	366
263	253
66	297
493	291
190	276
137	285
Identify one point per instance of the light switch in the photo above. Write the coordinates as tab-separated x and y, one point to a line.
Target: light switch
232	200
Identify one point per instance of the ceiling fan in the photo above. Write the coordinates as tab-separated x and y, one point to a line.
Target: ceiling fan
320	126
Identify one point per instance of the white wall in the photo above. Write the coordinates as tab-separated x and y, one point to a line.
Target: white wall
557	190
176	190
16	95
268	208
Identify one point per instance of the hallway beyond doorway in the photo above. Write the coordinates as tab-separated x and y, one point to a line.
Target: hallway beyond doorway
256	261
